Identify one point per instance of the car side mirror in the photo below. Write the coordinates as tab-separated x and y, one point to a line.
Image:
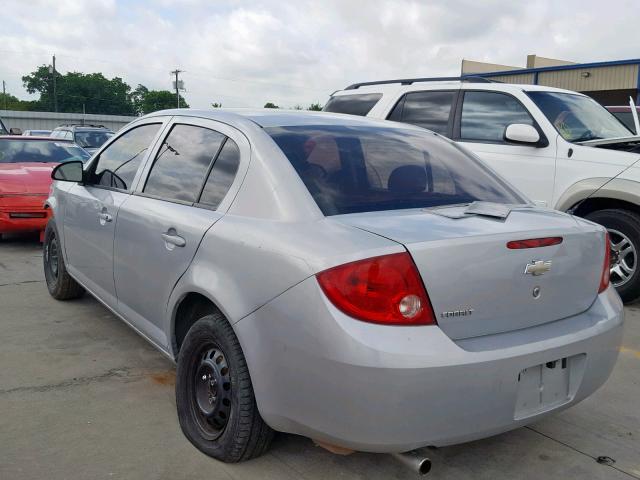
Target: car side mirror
69	172
15	131
522	133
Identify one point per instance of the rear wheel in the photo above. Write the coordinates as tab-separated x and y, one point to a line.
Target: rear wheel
59	283
216	406
624	231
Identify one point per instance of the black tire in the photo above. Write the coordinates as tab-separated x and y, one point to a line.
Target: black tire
59	283
626	223
229	428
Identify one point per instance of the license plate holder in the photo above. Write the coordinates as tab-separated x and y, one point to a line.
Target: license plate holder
548	385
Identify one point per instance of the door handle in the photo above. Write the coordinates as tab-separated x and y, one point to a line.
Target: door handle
175	240
105	217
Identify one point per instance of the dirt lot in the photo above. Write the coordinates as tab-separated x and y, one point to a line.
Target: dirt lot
84	397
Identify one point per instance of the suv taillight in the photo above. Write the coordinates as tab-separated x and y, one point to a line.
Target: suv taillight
386	289
604	278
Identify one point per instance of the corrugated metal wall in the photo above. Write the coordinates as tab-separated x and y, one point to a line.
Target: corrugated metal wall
523	78
601	78
51	120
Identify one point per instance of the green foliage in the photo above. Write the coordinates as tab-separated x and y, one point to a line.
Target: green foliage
216	105
270	105
9	102
95	92
315	107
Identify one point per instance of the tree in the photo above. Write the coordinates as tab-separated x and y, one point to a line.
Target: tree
9	102
146	101
315	107
75	91
270	105
216	105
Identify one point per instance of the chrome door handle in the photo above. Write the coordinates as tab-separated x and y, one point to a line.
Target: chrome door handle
104	217
175	240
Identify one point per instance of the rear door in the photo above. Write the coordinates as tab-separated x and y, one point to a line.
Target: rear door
161	225
91	208
481	120
430	109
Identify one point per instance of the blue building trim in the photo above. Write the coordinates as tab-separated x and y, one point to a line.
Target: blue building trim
638	87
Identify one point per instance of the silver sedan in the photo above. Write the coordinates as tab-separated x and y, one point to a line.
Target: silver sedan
367	284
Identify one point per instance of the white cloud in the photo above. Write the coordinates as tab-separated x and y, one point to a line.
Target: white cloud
245	53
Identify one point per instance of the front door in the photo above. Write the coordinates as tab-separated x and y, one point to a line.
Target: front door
480	127
91	210
161	225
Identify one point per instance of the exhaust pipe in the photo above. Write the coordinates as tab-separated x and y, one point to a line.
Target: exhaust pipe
415	461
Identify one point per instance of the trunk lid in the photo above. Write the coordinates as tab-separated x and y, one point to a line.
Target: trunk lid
477	285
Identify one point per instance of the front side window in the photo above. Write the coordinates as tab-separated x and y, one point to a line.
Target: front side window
118	163
40	151
222	174
578	118
359	104
486	116
182	163
430	110
362	169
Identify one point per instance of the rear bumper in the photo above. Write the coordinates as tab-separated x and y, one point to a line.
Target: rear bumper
375	388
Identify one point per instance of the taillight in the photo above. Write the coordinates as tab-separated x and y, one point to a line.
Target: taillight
385	289
606	273
534	243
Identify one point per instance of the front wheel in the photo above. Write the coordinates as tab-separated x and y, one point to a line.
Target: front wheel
217	410
59	283
624	231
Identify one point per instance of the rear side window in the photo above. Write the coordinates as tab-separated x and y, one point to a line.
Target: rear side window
360	104
429	110
221	176
362	169
486	116
117	165
182	163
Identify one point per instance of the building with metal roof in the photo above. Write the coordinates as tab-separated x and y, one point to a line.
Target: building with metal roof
610	83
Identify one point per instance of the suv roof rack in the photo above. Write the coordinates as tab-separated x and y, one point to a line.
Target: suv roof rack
81	125
410	81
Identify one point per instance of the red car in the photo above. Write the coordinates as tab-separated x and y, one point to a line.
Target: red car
25	177
623	113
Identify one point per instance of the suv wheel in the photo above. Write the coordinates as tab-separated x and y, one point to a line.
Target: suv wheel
60	284
216	406
624	231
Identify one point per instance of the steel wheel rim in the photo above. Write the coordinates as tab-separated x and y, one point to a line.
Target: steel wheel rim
624	259
52	257
211	391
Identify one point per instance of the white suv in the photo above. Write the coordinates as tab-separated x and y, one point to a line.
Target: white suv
561	148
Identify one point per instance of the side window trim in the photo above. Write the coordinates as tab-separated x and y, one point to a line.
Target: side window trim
457	127
210	169
162	121
454	104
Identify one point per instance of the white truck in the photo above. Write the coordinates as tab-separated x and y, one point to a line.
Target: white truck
561	148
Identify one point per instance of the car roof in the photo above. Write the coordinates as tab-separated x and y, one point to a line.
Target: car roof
271	117
450	84
32	138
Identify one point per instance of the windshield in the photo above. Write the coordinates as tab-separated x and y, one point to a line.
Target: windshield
363	169
92	139
578	118
39	151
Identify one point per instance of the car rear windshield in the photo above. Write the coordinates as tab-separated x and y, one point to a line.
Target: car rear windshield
351	169
92	139
360	104
39	151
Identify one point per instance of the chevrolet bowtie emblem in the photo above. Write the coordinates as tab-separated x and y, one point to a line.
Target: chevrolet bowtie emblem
537	267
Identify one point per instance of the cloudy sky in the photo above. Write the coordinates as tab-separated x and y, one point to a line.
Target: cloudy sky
245	53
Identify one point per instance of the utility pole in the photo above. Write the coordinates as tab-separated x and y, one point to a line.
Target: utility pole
52	70
4	94
177	84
